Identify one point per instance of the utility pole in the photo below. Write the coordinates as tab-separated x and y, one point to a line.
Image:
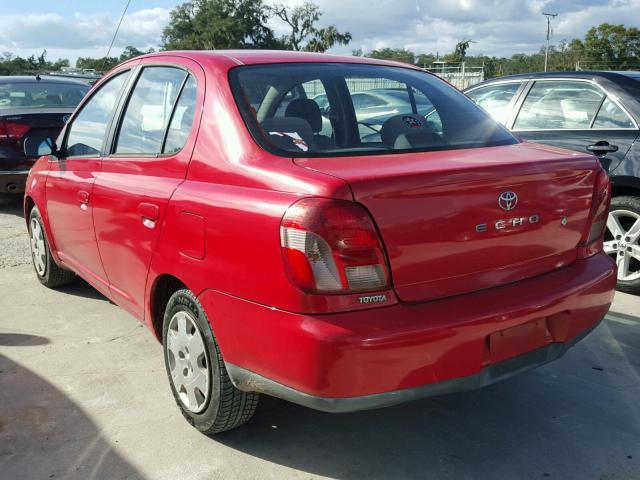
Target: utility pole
546	51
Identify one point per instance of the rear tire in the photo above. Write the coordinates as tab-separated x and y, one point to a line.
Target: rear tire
47	270
622	241
198	377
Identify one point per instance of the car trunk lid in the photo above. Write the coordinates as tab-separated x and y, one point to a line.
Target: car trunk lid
450	221
17	124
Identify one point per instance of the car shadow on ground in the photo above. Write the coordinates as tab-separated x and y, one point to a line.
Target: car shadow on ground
81	288
12	205
35	415
566	420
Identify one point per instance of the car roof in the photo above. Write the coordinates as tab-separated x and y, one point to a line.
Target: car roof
589	74
255	57
43	78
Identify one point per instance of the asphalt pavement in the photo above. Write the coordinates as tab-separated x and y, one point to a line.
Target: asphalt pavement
83	395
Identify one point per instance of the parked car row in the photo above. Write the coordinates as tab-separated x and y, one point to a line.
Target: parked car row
598	112
327	256
31	106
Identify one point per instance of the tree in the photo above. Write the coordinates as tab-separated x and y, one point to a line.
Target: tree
98	64
130	52
397	54
610	46
212	24
460	52
304	34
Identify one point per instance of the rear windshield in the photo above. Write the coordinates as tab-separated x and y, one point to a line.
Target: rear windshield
322	109
41	94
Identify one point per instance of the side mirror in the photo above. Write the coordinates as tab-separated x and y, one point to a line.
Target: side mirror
39	146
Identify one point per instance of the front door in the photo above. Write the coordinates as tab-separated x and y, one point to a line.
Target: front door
576	115
69	188
150	154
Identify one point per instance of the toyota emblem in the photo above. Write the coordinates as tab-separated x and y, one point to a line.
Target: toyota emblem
508	200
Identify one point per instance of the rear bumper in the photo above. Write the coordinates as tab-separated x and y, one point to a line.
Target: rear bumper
13	181
378	357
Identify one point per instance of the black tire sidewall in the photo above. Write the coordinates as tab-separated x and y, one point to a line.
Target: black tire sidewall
184	300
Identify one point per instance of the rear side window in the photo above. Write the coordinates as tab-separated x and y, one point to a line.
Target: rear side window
496	99
87	132
559	104
41	94
182	119
149	110
612	116
367	109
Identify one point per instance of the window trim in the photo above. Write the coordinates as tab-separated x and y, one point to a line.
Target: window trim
611	97
125	89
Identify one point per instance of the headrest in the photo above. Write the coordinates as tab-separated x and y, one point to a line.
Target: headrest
187	118
308	110
405	123
418	139
288	133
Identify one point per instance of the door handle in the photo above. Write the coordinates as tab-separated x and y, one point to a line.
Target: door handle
83	199
602	148
149	213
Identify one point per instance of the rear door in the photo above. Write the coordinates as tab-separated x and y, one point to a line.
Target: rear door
150	150
69	188
577	115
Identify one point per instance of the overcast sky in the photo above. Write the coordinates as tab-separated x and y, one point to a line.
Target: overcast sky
498	27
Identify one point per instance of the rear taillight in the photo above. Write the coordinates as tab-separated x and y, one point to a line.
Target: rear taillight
11	131
594	232
332	246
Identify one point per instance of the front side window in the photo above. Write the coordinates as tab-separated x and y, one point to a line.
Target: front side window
368	109
88	130
559	104
496	99
149	110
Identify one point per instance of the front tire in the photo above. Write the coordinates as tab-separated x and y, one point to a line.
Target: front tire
48	272
622	241
198	377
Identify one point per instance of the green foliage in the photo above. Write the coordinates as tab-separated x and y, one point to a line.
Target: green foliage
397	54
218	24
460	52
12	65
610	47
304	35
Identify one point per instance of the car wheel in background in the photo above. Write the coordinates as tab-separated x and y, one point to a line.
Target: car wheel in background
197	374
622	241
47	270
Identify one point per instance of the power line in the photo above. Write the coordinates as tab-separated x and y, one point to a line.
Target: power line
115	34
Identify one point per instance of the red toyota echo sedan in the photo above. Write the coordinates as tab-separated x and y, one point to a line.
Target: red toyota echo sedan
340	232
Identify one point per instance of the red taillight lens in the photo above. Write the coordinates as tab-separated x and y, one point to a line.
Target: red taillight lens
12	131
332	246
594	233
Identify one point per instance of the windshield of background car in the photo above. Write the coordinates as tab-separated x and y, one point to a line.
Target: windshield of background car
329	109
41	94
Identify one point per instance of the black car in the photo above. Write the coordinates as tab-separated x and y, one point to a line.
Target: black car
31	106
597	112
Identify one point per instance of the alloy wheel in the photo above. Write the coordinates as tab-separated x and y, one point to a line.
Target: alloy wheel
622	243
188	363
38	248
